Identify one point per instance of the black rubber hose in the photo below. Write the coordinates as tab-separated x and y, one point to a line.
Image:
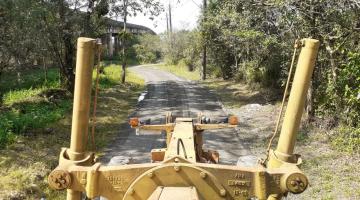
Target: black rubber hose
183	147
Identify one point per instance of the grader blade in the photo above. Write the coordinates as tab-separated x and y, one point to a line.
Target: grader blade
183	169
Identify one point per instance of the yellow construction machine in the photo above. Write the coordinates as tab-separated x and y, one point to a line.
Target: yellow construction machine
182	170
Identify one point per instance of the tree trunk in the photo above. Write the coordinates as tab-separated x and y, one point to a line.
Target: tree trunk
67	66
45	70
309	104
68	71
123	73
331	52
203	74
310	113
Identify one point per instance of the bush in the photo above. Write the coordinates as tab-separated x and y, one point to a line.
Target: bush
182	46
28	103
348	88
6	134
143	55
25	116
347	139
148	48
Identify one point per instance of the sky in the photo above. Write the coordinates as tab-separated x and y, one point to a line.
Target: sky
185	14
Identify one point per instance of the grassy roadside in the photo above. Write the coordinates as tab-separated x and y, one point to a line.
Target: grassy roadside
180	70
25	163
331	165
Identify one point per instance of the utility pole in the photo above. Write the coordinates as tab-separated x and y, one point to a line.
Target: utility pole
170	27
170	19
167	24
123	73
203	74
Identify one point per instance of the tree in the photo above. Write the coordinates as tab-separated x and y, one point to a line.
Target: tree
251	40
63	22
127	8
337	36
203	71
32	29
148	49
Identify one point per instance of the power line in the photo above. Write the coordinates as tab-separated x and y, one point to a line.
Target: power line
196	4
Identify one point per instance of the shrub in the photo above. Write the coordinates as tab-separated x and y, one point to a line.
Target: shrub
347	139
348	88
6	134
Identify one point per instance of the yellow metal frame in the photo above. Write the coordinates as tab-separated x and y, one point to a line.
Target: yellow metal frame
181	170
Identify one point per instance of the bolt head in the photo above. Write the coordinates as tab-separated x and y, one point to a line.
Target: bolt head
150	174
296	183
203	174
131	191
59	179
293	183
302	185
222	192
176	168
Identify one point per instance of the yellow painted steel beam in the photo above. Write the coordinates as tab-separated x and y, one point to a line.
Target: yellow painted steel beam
212	181
81	108
182	140
295	107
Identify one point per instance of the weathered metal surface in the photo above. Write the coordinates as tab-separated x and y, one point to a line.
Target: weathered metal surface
139	181
284	152
81	108
59	179
82	93
295	106
175	193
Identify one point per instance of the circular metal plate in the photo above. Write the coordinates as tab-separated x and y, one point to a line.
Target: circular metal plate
176	175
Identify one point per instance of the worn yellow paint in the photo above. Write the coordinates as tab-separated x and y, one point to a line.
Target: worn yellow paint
295	107
182	140
82	93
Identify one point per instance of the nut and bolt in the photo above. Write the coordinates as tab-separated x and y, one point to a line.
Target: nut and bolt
59	179
297	184
222	192
150	174
176	168
176	160
203	175
131	191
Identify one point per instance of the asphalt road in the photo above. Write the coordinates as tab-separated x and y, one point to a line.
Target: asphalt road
167	92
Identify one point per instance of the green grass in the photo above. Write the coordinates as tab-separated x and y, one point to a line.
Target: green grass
26	109
180	70
20	95
346	139
23	107
37	126
28	79
112	76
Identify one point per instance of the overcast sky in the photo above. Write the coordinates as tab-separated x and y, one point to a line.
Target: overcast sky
184	16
